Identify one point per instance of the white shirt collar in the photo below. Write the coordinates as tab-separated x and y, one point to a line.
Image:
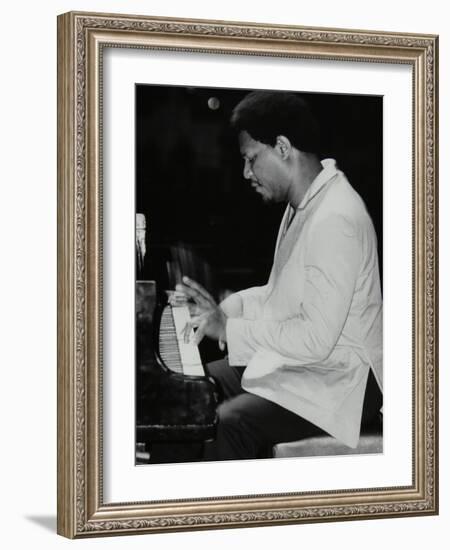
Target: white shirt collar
328	171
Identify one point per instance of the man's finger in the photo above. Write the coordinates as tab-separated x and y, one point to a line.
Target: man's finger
187	330
194	309
199	288
190	292
200	333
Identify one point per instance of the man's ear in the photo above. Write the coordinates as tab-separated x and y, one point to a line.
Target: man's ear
283	146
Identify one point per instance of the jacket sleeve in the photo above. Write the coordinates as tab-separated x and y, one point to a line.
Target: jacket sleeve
331	267
252	301
246	303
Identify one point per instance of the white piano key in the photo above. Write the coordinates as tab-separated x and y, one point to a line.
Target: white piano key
190	355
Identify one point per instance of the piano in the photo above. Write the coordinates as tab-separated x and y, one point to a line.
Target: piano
176	400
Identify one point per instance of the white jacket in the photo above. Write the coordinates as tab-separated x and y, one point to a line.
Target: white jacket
310	335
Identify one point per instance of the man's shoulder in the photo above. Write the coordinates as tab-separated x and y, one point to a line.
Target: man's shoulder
341	204
341	198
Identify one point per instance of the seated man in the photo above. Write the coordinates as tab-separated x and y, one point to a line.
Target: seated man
301	347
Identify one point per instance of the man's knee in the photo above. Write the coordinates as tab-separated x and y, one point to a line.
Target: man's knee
236	436
216	368
229	414
228	378
239	413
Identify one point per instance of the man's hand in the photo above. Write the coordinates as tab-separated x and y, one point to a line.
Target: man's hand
209	319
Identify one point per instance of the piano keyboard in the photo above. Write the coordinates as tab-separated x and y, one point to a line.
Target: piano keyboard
178	356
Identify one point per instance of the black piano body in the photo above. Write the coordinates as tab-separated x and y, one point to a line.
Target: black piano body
171	407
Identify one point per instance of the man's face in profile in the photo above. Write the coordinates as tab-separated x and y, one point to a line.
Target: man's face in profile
263	166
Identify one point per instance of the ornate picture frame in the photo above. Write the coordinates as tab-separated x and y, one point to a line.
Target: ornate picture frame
82	40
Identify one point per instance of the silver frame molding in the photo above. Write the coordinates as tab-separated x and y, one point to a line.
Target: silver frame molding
81	37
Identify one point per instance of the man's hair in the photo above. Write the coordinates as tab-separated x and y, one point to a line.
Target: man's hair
267	115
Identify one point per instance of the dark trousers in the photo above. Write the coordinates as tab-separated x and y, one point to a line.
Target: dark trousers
250	425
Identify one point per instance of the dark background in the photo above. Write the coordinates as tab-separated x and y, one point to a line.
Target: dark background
189	181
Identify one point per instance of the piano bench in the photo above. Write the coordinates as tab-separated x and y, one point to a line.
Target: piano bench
325	445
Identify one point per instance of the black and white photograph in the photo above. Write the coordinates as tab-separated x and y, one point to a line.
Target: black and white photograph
259	274
247	274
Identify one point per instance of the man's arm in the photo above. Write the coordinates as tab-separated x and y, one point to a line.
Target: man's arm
332	265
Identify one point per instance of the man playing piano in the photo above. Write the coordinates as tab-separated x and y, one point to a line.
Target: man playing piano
304	350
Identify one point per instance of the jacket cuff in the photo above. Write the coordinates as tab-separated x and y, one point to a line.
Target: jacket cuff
239	350
251	303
